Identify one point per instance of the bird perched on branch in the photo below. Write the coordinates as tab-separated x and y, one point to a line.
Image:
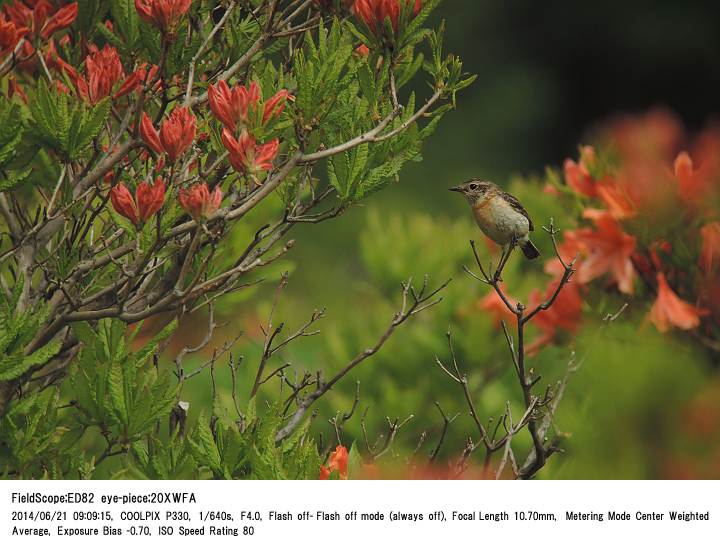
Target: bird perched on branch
499	215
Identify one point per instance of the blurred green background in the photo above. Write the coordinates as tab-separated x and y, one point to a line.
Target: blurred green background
548	73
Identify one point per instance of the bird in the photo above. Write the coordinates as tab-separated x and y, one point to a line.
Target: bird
499	215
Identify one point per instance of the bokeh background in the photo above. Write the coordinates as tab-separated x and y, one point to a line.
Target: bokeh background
642	405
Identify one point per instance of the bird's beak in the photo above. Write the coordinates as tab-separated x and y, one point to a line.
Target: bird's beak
456	189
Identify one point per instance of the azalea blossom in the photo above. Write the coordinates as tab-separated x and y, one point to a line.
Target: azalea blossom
176	134
199	201
103	70
148	200
577	175
235	107
606	249
43	19
564	315
374	13
616	198
10	34
338	461
710	251
164	14
493	304
246	155
670	311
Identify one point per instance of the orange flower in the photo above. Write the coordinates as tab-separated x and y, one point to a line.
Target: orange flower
43	20
199	201
493	304
374	13
148	200
164	14
564	315
577	175
246	155
176	134
694	183
710	251
670	311
235	107
618	202
338	461
607	249
103	70
62	19
10	34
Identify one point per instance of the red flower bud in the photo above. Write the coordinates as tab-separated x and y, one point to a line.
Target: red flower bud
150	134
178	132
150	198
246	155
62	19
374	13
276	105
199	201
235	106
123	202
10	34
164	14
15	89
103	70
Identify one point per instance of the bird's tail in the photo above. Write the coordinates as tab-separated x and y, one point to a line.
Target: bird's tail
529	249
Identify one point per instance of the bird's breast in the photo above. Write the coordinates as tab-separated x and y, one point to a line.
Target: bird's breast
499	220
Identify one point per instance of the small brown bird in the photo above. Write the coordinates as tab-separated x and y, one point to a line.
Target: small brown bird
499	215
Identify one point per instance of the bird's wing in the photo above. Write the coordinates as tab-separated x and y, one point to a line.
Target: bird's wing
515	203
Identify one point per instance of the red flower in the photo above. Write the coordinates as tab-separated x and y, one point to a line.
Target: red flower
15	89
199	201
176	134
143	75
275	105
670	311
148	200
374	13
607	249
362	50
164	14
150	134
564	315
10	34
42	20
338	461
617	200
577	175
710	251
62	19
246	155
493	304
236	106
103	70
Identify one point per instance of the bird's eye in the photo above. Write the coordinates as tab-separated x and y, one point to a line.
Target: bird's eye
473	186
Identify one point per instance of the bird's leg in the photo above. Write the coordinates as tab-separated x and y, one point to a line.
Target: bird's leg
507	251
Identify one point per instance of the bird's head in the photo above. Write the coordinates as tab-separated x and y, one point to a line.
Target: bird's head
475	189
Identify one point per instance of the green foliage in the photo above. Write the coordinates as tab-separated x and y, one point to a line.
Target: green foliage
19	329
116	390
64	124
11	135
247	449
